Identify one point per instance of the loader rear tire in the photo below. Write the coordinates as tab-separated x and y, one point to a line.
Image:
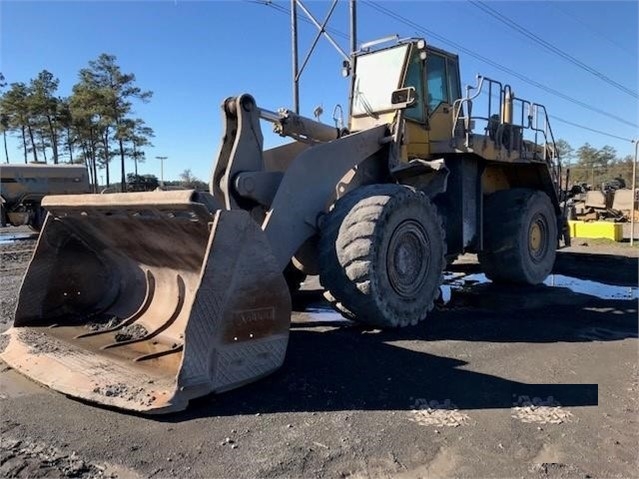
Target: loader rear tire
382	255
520	236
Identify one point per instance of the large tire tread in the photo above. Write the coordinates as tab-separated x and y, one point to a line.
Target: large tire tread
352	229
504	258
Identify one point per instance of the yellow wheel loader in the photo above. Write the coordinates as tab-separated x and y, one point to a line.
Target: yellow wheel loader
143	301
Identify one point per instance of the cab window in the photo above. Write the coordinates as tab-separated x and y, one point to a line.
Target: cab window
453	81
414	78
436	81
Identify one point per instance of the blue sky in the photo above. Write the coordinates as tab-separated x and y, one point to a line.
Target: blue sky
193	54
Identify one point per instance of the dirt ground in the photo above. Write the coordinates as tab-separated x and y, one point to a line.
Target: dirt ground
498	382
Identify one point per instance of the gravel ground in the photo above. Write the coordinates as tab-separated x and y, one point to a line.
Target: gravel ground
497	383
29	459
14	257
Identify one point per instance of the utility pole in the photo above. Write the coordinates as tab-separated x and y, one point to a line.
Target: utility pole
297	70
353	23
294	45
634	185
161	158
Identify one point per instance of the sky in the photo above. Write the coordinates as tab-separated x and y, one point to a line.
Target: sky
194	54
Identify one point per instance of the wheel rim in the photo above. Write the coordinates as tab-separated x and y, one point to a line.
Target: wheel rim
407	258
538	238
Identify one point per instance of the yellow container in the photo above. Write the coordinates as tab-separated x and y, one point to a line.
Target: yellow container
596	229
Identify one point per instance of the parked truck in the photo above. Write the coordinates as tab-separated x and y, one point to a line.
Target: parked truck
22	188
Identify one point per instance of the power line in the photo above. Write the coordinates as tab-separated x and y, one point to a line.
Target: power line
417	27
550	47
589	129
282	9
577	125
599	33
498	66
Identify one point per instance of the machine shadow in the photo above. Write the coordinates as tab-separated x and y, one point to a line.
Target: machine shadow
601	268
345	370
335	365
494	313
543	315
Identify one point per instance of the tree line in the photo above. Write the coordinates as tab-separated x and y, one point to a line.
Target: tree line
595	166
150	182
94	125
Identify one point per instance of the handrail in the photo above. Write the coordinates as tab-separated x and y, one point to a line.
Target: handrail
526	115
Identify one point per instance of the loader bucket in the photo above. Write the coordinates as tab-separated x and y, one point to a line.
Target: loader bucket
142	301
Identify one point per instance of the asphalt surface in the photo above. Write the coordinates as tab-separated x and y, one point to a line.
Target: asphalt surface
498	382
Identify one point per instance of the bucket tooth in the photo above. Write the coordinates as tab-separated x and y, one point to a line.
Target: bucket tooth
198	291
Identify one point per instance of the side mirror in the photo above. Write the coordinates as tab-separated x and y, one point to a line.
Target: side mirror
403	98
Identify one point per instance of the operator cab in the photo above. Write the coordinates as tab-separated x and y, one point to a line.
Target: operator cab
417	86
436	81
408	64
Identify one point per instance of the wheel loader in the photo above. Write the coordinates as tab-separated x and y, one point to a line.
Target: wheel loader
143	301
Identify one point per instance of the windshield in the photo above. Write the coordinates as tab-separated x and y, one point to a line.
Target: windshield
377	76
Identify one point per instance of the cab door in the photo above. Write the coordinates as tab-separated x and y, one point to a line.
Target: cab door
442	89
416	143
429	122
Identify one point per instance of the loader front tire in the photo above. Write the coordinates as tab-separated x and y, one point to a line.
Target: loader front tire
382	255
520	236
